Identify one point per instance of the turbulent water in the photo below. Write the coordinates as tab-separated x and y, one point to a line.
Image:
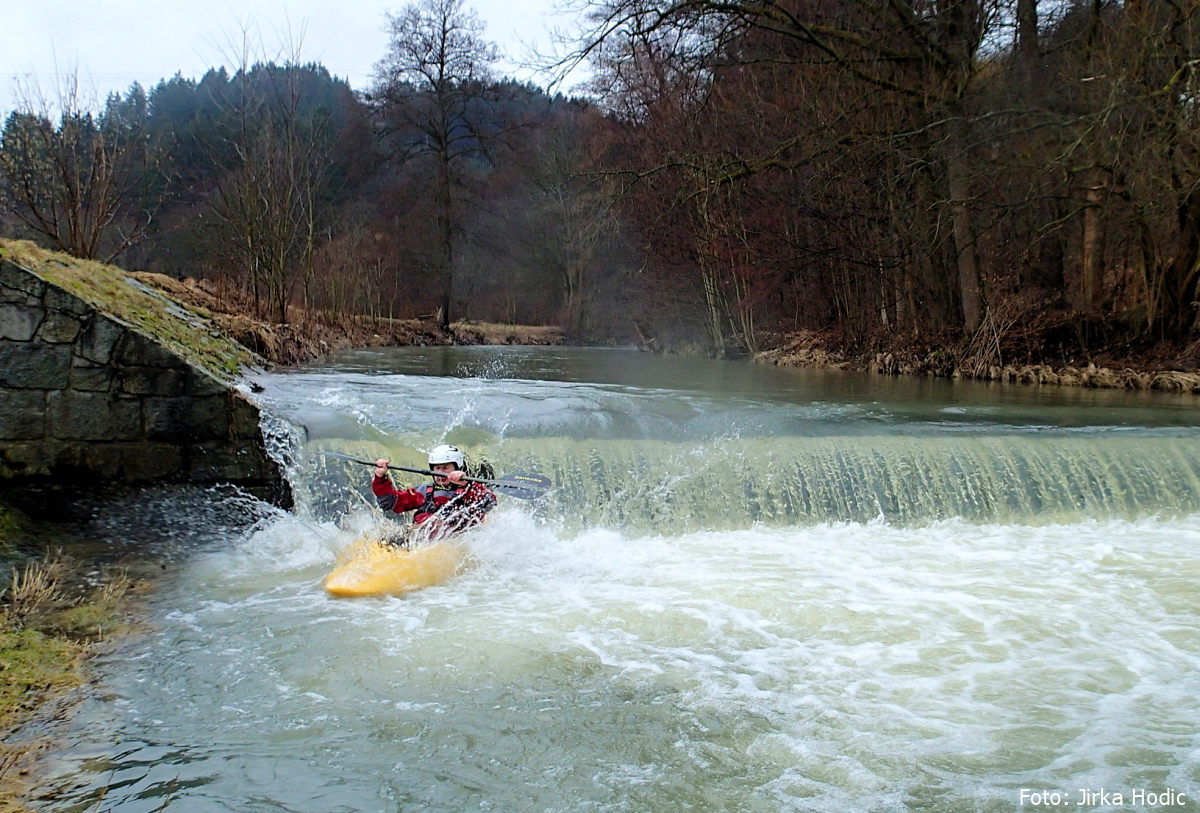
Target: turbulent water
750	589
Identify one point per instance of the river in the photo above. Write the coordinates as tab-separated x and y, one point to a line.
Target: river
750	589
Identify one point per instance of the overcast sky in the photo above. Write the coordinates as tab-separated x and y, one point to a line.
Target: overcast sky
110	44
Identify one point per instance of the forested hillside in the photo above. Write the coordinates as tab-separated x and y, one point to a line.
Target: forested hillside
966	184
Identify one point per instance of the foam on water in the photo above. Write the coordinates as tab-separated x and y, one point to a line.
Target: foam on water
852	665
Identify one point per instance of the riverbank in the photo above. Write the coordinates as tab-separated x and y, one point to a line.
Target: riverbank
312	335
1160	368
56	611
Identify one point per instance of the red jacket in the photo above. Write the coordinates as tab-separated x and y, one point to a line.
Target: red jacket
470	503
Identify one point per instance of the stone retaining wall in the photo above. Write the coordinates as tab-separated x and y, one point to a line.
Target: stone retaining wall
85	398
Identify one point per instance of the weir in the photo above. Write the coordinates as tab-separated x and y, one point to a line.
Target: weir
720	447
736	483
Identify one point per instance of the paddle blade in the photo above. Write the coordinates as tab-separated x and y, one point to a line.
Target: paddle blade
522	486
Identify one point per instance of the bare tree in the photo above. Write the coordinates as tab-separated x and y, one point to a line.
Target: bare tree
437	66
575	210
91	183
922	55
1130	149
271	174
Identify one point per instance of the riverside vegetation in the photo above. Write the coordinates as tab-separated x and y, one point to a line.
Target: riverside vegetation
55	611
309	334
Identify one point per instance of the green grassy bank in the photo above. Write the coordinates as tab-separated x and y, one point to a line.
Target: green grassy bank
51	619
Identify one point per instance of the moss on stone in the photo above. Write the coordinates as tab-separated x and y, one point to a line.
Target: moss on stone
191	334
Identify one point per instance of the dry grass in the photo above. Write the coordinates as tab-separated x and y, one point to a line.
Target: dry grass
16	764
979	359
310	335
494	333
804	348
34	591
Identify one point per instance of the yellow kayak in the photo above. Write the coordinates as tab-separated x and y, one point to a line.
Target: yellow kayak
372	568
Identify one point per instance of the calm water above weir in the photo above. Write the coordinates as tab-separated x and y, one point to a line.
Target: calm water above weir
751	589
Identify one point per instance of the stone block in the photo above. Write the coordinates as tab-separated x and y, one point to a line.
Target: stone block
22	414
187	420
20	322
245	417
86	375
57	299
74	415
151	381
138	462
40	458
138	351
200	382
211	463
155	462
98	338
11	296
59	328
34	365
101	462
22	459
19	285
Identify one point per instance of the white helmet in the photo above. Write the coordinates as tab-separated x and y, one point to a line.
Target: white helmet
446	454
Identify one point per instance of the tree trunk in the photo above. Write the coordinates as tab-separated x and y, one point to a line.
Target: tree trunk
1093	245
970	287
446	237
1179	282
1027	34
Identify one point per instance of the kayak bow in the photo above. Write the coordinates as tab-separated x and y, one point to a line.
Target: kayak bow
370	567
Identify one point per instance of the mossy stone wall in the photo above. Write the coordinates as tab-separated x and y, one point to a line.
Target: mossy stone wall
87	398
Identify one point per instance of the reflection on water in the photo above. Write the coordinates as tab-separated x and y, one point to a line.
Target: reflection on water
907	398
925	653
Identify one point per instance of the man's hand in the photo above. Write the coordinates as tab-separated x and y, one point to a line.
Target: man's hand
381	467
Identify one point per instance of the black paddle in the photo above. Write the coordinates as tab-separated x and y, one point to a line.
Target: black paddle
521	486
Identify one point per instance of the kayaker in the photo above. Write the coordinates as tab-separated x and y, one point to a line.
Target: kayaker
450	503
